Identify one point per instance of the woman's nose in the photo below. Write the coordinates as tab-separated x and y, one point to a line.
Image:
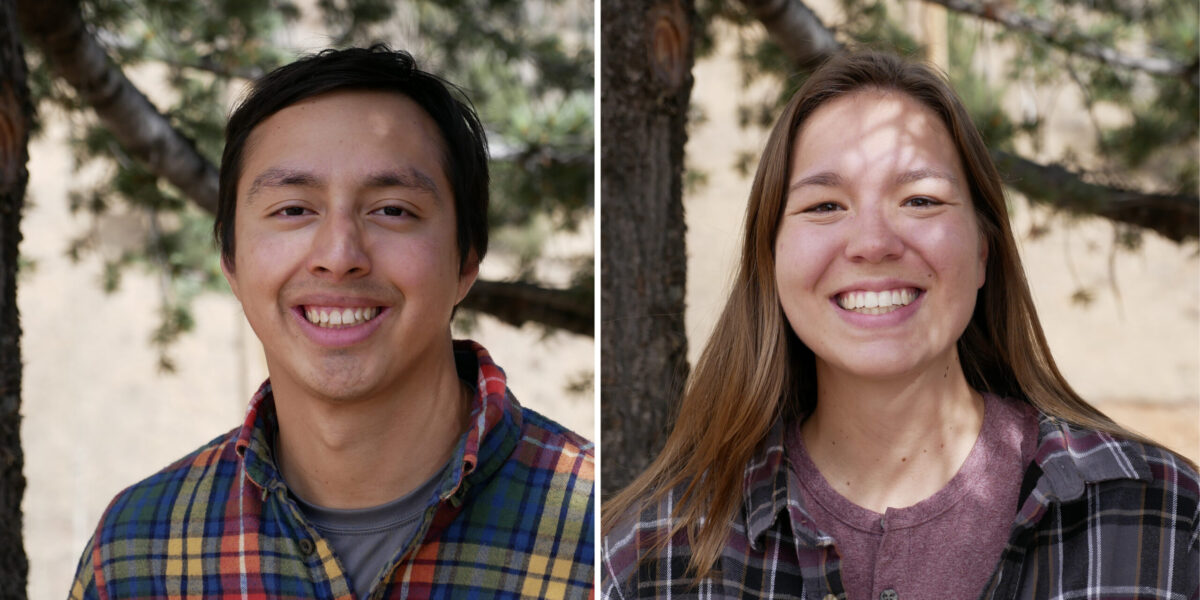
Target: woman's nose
872	237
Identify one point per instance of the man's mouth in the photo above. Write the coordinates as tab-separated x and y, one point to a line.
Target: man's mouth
877	303
339	317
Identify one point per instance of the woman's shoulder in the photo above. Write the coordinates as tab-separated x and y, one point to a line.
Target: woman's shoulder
633	534
1076	459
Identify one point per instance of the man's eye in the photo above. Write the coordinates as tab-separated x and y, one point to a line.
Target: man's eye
393	211
292	211
921	201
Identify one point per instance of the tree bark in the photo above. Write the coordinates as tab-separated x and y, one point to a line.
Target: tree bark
646	81
1173	216
15	121
75	55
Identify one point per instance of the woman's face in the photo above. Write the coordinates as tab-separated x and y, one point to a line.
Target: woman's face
878	256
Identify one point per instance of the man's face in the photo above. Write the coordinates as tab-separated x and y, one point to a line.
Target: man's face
346	260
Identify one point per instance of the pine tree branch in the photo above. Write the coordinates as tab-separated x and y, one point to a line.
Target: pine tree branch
1173	216
74	54
517	303
1063	37
799	31
207	65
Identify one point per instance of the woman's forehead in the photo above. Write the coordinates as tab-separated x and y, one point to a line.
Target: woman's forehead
873	132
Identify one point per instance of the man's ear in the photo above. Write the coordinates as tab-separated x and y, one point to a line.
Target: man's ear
230	277
467	275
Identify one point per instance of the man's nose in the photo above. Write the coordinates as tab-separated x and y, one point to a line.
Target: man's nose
339	250
872	236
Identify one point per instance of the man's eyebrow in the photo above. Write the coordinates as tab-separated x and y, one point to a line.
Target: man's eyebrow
279	177
823	179
927	173
405	178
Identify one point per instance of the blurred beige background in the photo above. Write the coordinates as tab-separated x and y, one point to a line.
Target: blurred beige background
1137	358
99	415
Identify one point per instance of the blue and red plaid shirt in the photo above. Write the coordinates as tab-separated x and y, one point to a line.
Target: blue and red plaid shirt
512	518
1100	518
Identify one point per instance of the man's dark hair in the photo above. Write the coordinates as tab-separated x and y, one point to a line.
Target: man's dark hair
377	68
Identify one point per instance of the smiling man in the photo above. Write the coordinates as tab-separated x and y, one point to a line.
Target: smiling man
381	459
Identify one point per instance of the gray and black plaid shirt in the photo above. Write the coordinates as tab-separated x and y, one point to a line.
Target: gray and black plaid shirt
1100	518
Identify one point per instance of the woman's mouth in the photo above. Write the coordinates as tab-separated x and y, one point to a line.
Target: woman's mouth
877	303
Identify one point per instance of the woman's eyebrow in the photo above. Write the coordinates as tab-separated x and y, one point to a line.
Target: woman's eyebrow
823	179
926	173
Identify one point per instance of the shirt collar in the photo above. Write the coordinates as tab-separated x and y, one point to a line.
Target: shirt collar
1068	456
1071	457
770	488
494	429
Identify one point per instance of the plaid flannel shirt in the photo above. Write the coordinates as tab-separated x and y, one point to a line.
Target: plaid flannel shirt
1099	518
512	518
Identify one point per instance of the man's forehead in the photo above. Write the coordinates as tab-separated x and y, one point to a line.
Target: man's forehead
301	139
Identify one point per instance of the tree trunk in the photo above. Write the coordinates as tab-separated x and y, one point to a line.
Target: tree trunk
646	78
15	120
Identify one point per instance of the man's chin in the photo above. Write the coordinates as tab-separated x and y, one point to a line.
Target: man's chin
340	379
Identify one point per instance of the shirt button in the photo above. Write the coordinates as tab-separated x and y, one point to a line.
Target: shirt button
829	597
889	594
306	546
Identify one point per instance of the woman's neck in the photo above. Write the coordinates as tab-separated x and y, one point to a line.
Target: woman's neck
892	443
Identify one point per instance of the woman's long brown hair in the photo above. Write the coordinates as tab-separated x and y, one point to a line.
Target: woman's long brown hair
754	370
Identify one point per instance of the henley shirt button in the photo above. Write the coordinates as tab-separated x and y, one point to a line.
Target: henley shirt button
889	594
306	546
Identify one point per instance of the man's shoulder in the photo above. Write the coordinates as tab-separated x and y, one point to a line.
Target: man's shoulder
138	510
543	464
548	454
543	432
537	507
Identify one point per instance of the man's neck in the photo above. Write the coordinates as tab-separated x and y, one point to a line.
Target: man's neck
895	443
369	451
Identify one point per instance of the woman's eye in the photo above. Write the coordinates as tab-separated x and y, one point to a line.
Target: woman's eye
823	207
921	201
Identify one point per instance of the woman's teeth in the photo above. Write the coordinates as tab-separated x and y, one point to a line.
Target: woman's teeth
339	317
877	303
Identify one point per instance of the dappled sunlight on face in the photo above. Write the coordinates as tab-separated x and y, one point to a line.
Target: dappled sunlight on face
878	253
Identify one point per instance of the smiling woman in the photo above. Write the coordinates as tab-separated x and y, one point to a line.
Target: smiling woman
877	413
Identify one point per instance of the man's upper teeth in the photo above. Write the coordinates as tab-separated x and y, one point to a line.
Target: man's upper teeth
339	317
885	299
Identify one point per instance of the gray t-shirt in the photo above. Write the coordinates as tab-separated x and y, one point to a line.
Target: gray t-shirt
366	539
